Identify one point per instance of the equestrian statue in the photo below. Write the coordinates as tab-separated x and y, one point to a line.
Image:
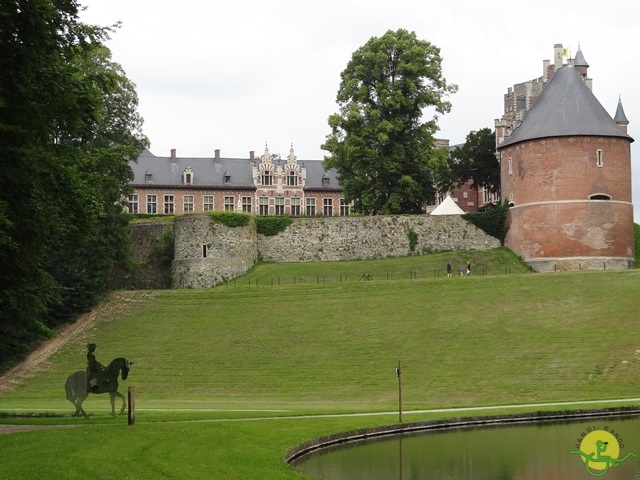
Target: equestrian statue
97	379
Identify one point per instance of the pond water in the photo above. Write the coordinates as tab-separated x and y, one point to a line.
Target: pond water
522	452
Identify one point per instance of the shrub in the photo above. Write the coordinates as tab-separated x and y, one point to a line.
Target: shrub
272	225
492	221
230	219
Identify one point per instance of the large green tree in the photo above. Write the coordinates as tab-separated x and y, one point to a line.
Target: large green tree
379	143
68	126
476	160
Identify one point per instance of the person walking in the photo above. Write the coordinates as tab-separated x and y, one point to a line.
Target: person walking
449	269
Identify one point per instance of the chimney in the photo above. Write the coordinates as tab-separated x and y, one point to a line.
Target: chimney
252	155
173	155
217	156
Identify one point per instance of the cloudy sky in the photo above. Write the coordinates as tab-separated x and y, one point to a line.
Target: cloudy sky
236	75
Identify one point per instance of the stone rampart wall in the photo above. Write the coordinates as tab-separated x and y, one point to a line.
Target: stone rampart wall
207	253
351	238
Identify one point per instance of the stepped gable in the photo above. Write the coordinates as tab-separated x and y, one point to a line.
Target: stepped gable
566	107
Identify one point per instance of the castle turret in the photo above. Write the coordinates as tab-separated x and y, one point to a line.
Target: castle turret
566	171
620	118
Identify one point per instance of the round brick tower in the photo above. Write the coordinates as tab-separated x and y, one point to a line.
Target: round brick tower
566	173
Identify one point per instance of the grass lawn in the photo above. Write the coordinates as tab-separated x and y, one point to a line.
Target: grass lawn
298	349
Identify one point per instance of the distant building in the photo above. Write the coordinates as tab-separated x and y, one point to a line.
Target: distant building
470	198
267	185
566	172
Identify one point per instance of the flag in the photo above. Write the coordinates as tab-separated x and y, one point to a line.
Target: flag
565	53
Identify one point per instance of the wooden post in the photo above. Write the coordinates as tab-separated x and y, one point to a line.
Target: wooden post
399	375
132	405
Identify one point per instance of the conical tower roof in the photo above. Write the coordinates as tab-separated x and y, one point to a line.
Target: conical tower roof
566	107
579	60
620	118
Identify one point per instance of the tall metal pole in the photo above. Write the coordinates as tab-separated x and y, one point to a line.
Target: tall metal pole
399	375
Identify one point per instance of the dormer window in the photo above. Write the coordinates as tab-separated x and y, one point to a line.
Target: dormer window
187	176
227	178
325	180
148	176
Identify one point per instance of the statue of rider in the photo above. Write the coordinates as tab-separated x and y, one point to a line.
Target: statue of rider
94	368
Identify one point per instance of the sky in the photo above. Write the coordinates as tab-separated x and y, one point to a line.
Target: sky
240	75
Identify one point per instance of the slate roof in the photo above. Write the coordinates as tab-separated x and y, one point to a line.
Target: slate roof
566	107
620	118
579	61
209	173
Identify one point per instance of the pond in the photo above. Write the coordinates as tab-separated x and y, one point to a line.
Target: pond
508	452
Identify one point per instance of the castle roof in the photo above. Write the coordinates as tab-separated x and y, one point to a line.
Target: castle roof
566	107
579	61
209	172
620	118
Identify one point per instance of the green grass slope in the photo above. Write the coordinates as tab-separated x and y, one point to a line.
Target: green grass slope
334	346
206	357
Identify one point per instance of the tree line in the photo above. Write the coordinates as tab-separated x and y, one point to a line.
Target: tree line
68	127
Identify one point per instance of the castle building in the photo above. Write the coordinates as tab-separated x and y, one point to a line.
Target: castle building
566	172
267	185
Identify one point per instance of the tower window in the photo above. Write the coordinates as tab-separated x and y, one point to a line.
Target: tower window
510	166
599	158
600	196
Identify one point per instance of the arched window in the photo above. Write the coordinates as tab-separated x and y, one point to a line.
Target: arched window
600	196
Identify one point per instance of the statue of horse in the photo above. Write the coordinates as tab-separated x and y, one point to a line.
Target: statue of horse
77	386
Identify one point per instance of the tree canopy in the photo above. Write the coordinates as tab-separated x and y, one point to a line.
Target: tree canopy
379	143
68	127
476	160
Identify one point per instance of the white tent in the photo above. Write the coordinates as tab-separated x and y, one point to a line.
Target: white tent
448	207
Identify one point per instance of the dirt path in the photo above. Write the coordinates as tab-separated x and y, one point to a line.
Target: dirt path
116	303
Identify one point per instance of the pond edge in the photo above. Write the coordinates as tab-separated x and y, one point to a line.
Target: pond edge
313	446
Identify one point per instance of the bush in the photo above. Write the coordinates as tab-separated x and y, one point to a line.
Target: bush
492	221
230	219
272	225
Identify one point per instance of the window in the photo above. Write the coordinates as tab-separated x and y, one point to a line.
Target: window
263	206
292	179
152	204
133	203
227	178
148	176
279	206
325	180
344	208
465	194
169	205
327	207
187	176
311	206
207	203
295	206
246	204
510	166
228	204
600	196
267	179
187	203
599	158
